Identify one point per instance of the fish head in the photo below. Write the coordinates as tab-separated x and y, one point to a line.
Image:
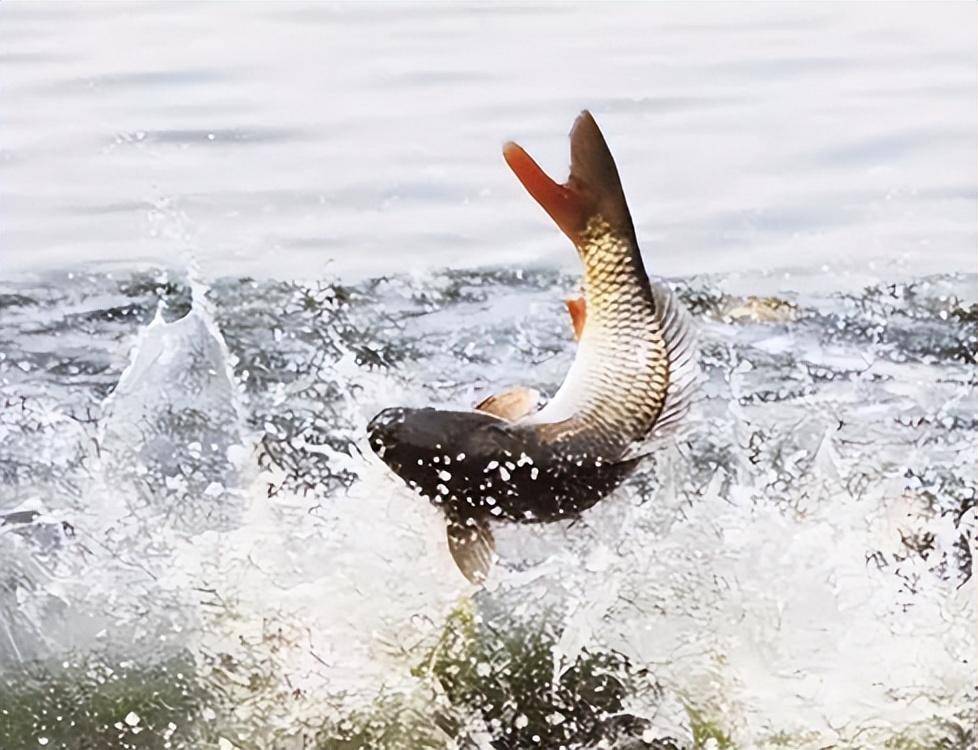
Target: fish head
435	451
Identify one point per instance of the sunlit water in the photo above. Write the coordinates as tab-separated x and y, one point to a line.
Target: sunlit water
368	136
183	475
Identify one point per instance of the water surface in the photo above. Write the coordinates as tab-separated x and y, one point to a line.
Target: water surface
366	138
232	233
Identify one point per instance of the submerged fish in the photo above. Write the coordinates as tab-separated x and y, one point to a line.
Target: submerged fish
631	381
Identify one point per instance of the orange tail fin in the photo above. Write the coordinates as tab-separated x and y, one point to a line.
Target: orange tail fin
592	189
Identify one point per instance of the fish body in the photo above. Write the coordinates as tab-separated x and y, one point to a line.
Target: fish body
632	380
478	466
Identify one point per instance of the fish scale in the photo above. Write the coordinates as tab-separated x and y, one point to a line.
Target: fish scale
623	391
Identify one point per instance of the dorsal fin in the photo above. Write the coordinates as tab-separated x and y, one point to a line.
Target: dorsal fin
512	404
592	189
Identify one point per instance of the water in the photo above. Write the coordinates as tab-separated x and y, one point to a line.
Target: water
226	235
367	139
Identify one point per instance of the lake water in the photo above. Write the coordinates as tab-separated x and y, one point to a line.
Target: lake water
366	138
231	233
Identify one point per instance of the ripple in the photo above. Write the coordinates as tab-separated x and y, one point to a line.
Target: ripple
887	147
212	136
136	80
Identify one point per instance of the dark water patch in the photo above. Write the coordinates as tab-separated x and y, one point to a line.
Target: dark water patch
256	135
663	104
106	209
915	92
136	80
152	289
15	300
443	193
226	108
290	335
949	192
79	367
109	705
885	148
431	78
245	200
819	213
797	24
40	452
109	314
33	58
308	242
917	321
773	68
497	666
395	14
536	111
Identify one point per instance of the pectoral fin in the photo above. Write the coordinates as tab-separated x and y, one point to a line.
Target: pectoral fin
472	547
512	404
578	312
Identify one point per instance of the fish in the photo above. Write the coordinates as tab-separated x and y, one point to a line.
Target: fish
633	380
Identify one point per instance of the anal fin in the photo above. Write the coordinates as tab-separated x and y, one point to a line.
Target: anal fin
578	311
472	546
511	404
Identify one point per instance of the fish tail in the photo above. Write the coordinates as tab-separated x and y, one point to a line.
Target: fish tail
593	189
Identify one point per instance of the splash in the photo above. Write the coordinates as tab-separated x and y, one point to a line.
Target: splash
795	569
174	426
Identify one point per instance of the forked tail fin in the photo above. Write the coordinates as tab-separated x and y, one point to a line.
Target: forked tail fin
592	189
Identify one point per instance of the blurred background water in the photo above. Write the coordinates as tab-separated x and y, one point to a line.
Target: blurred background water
367	136
232	233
